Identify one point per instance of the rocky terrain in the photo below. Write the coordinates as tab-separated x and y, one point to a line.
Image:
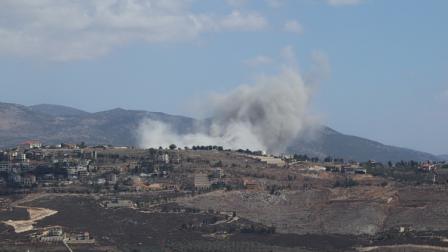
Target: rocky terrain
355	211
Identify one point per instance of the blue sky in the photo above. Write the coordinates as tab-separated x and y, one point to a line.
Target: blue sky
384	62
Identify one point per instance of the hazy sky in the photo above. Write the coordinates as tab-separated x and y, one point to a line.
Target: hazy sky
383	63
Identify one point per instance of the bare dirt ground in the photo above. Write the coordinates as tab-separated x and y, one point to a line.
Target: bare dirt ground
403	248
317	211
420	209
35	214
319	219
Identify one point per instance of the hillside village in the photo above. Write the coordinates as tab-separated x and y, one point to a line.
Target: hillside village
35	167
219	194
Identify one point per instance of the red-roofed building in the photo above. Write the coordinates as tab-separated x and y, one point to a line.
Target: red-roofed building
31	144
427	167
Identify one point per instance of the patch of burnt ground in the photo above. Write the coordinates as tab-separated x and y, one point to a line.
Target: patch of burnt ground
133	230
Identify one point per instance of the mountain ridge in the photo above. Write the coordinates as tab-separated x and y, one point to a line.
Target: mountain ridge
56	123
57	110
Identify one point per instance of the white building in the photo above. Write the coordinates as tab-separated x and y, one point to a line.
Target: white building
32	144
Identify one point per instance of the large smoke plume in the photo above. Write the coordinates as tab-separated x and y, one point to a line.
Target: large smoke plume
266	116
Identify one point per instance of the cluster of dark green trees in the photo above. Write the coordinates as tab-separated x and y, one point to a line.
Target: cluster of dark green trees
328	159
208	147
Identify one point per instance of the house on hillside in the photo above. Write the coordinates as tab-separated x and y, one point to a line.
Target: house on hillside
250	184
427	167
29	180
118	203
360	170
4	167
201	181
31	144
218	173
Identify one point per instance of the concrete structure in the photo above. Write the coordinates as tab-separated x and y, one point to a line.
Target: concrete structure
15	178
29	180
427	167
155	187
163	158
80	238
51	234
360	171
51	239
55	231
271	160
21	157
250	184
31	144
101	181
83	175
111	179
201	181
218	173
73	172
117	203
4	166
94	155
317	168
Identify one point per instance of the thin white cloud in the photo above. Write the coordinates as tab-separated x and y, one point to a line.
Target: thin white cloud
71	30
239	21
293	26
270	3
258	61
275	3
344	2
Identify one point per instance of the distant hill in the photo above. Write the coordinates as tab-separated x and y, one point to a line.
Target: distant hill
57	110
56	124
443	157
329	142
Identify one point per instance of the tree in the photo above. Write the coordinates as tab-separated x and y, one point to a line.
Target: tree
173	147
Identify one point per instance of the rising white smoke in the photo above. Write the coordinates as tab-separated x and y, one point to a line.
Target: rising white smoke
266	116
